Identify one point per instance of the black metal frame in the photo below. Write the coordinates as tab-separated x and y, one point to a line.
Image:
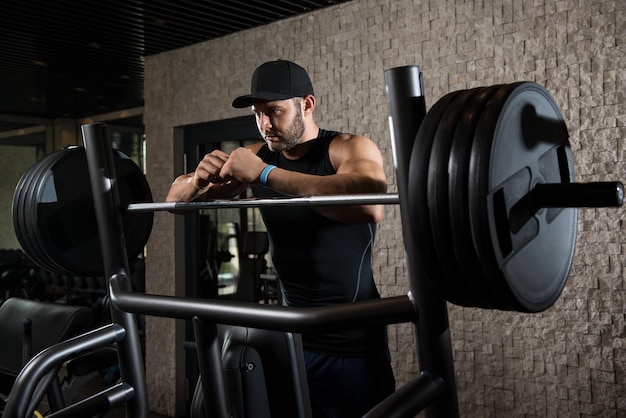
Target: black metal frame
434	390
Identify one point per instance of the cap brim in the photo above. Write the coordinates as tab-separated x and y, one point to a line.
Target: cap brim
248	99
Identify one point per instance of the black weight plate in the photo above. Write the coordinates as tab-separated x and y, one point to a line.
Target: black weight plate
477	211
529	134
134	188
18	212
458	198
542	139
439	204
33	246
426	257
39	245
65	217
17	209
39	182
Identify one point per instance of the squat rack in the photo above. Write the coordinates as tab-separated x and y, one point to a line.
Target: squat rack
434	390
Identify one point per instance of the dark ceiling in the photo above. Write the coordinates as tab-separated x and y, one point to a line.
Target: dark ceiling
75	59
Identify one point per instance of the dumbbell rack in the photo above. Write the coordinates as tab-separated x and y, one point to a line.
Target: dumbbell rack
433	391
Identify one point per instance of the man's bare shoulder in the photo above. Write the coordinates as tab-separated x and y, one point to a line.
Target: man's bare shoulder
350	139
351	147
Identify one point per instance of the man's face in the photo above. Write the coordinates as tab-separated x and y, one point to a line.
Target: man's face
280	123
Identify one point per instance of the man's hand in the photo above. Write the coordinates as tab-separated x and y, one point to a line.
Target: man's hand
242	165
207	181
208	170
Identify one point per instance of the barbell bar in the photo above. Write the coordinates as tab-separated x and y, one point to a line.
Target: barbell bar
577	195
328	200
557	195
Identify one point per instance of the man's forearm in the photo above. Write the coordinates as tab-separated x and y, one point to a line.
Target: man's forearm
184	190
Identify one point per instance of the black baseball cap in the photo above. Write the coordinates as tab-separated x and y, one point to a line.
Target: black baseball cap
276	80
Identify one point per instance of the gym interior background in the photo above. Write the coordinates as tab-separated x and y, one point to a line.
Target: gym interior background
568	361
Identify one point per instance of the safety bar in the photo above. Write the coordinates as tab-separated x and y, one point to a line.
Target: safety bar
391	310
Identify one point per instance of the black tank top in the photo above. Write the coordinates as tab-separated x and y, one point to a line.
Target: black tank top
320	261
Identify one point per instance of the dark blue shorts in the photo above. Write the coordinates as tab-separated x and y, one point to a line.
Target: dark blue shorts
346	387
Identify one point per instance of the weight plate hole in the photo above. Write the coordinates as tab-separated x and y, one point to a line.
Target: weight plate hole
502	223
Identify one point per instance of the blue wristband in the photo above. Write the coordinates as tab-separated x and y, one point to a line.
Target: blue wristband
265	173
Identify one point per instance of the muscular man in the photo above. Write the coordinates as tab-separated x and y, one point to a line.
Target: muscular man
322	254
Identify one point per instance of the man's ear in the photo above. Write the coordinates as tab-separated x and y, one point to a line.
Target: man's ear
308	104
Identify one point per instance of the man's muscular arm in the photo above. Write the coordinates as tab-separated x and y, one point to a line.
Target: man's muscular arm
359	169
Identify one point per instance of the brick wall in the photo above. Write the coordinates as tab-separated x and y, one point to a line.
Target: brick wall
566	362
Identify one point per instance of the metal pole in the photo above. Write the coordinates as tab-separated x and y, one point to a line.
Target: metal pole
407	109
108	214
209	353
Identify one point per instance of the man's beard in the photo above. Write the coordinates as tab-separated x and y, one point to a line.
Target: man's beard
290	137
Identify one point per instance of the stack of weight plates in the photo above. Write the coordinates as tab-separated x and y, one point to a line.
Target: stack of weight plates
477	155
54	218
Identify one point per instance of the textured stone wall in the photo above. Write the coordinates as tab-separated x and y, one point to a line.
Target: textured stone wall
566	362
